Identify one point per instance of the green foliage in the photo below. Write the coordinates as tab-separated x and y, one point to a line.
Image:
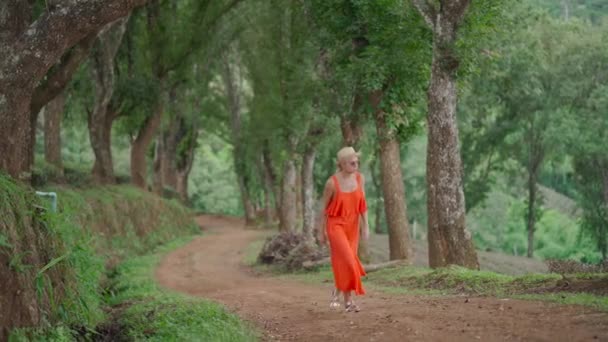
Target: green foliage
593	10
377	46
500	225
213	186
76	243
155	315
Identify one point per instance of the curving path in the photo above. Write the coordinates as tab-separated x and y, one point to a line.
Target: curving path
211	267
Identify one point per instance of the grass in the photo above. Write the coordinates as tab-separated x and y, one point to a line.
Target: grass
154	314
93	228
456	280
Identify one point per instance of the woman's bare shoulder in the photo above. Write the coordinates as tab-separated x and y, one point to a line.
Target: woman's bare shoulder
329	184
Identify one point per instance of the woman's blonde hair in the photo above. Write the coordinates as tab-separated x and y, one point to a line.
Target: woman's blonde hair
344	153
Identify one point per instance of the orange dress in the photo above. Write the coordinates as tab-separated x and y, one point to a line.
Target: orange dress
343	212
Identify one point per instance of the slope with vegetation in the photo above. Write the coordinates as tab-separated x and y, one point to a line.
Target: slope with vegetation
59	268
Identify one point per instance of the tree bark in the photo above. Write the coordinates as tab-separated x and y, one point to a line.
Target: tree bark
351	126
157	175
288	213
168	167
101	118
392	184
53	115
184	166
28	51
231	75
269	210
55	82
308	198
140	146
248	206
165	153
272	177
535	160
604	172
377	181
449	240
61	74
531	215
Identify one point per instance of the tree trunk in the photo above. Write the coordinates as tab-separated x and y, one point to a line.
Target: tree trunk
272	177
169	140
351	126
53	114
55	81
268	192
377	181
308	190
101	118
15	133
104	173
392	184
166	155
168	167
140	146
449	240
531	216
288	213
184	166
157	175
32	49
535	160
247	203
605	180
231	75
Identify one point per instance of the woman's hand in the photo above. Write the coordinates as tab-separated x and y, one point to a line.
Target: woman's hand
321	235
365	233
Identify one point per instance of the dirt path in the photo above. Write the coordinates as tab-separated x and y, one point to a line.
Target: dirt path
211	267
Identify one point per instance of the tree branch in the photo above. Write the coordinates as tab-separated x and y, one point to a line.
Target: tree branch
61	76
427	11
455	9
54	32
196	39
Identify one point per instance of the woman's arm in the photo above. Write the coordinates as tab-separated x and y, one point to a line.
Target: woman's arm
328	193
363	220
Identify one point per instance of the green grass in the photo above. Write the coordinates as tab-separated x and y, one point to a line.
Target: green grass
155	314
93	227
453	281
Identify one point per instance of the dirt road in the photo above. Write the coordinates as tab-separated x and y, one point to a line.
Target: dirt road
211	267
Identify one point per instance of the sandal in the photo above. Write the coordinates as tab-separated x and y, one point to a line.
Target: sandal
351	307
335	301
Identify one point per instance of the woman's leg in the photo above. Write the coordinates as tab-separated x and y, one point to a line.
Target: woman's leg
347	298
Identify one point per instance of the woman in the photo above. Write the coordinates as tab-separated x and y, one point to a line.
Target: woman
344	206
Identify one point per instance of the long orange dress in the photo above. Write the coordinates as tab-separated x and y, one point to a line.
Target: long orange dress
343	212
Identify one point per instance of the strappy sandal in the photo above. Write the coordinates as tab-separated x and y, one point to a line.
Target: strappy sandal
351	307
335	301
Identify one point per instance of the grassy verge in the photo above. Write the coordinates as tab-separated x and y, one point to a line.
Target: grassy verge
578	289
58	261
154	314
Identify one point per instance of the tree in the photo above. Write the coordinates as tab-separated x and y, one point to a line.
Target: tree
449	240
53	114
369	58
279	59
103	114
584	62
30	47
233	78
